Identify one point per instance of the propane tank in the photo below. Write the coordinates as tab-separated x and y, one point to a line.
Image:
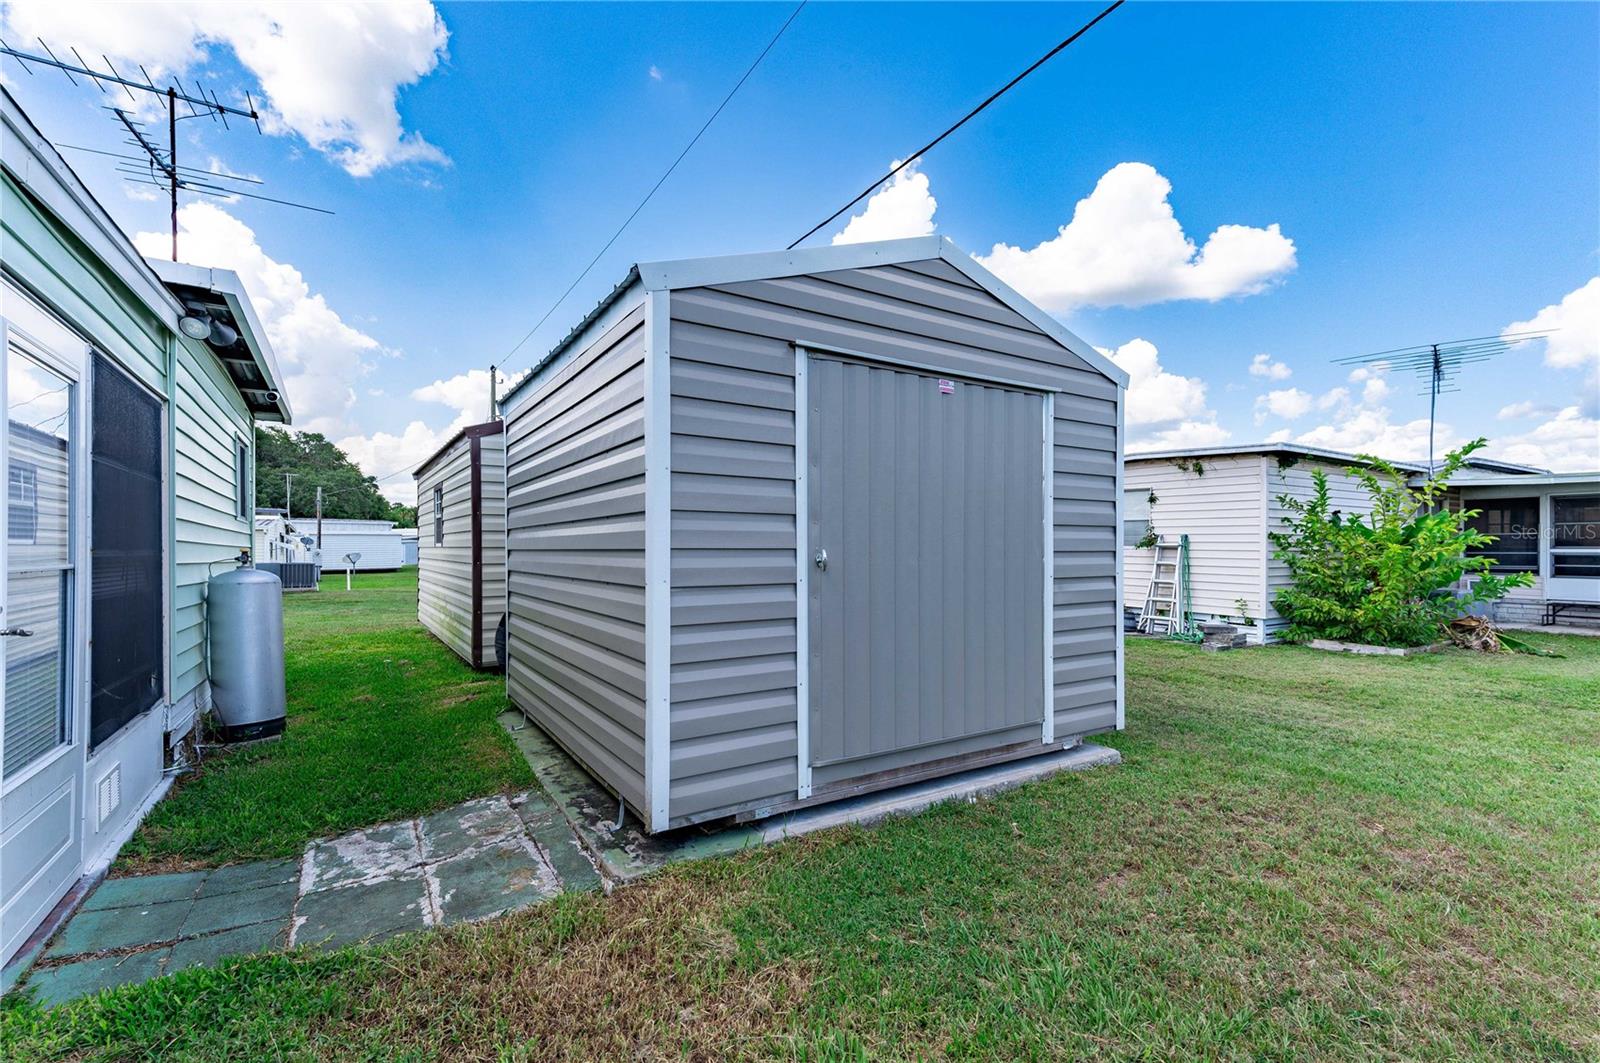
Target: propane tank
244	615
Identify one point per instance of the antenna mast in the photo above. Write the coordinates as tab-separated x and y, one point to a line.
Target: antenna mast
1439	364
202	103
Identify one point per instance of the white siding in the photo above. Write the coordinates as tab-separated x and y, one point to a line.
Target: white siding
1221	512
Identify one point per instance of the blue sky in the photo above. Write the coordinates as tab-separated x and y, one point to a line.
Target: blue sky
1436	169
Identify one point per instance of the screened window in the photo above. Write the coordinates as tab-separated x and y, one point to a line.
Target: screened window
438	515
1514	522
22	515
127	575
1575	539
241	479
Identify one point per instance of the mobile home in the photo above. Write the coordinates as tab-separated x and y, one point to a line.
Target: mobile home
461	564
789	527
1227	500
378	542
129	457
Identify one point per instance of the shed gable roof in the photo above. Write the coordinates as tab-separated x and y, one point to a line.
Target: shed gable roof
769	265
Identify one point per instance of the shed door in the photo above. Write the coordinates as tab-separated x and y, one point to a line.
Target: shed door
926	625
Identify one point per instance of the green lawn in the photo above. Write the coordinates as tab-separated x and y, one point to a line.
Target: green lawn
1303	856
384	723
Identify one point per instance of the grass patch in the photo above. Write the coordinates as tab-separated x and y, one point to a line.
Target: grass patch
385	722
1302	856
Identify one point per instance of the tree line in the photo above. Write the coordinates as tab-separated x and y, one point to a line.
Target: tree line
314	461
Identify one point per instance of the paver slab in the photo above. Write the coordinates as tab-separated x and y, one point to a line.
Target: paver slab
561	847
236	877
224	911
144	889
375	853
368	911
120	928
70	981
209	950
491	879
455	830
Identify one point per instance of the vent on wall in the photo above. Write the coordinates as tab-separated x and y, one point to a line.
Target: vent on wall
108	794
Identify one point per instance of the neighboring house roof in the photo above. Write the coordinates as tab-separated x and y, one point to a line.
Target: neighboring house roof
733	269
1299	450
1576	479
250	362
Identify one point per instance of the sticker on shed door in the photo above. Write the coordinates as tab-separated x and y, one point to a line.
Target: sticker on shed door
947	387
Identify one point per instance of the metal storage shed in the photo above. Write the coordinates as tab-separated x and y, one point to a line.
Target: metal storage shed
723	609
461	556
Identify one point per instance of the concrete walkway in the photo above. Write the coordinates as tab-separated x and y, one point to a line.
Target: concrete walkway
474	861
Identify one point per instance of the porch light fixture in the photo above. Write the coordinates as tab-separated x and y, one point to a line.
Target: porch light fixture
195	327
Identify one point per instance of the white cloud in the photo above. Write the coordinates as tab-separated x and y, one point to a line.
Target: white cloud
1287	403
1163	409
1124	247
902	207
1568	442
383	454
321	356
1575	342
1263	365
328	72
1518	411
1368	430
655	73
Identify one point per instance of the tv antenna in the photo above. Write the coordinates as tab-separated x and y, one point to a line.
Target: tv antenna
1439	365
157	166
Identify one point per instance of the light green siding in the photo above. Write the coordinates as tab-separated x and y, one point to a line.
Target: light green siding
210	419
204	413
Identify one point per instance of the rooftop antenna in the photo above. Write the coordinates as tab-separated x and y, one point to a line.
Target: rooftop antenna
158	167
1438	365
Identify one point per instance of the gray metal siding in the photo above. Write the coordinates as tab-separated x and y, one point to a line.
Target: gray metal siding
575	557
733	737
444	571
492	509
930	506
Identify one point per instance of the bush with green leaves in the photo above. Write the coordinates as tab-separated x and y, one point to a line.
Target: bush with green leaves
1388	577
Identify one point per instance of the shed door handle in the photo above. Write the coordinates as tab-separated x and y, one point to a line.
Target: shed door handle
18	632
822	560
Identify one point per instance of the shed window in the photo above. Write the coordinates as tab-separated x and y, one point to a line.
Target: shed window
1514	522
1135	515
438	515
1575	539
22	514
241	479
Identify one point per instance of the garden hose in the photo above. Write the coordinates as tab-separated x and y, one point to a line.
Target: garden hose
1185	630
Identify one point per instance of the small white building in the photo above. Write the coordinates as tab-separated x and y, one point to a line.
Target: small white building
1547	524
1227	500
277	541
409	544
377	541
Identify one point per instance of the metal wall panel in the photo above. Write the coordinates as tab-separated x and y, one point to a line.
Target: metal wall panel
574	543
926	623
733	738
445	576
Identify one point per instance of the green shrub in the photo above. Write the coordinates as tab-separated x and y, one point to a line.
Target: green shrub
1386	577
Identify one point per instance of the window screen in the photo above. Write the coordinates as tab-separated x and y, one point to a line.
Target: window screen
1514	522
125	665
1575	539
438	515
1135	515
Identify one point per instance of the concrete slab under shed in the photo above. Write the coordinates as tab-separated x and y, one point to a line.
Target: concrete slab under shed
624	853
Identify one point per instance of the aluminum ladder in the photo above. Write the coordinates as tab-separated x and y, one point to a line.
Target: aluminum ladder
1163	609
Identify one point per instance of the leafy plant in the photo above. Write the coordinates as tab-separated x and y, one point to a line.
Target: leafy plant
1150	536
1196	466
1385	577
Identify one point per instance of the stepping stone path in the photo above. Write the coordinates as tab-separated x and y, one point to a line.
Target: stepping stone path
470	862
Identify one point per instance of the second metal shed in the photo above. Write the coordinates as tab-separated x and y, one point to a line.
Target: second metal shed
784	528
461	524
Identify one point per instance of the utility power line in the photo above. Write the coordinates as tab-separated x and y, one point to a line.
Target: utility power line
661	180
1001	91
